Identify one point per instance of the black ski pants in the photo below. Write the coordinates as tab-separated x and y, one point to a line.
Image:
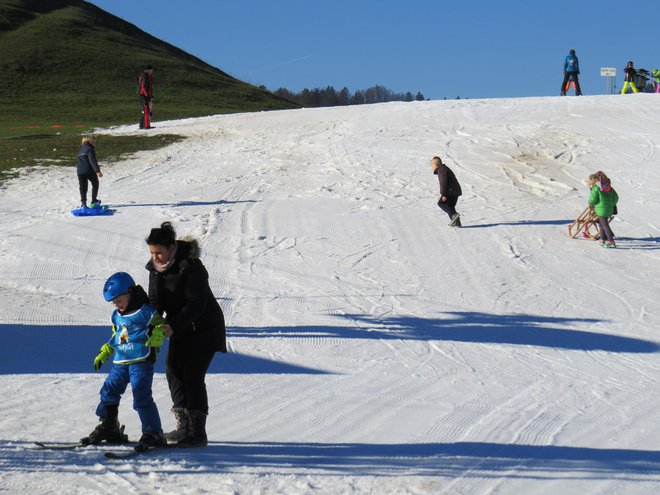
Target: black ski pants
186	372
570	76
83	182
449	206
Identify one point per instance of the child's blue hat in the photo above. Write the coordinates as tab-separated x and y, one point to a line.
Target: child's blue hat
116	285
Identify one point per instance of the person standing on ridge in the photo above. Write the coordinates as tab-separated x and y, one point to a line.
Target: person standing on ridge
450	190
629	74
571	72
145	90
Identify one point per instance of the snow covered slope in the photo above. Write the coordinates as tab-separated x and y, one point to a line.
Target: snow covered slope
373	348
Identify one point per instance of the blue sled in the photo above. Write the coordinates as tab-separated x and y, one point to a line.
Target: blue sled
85	211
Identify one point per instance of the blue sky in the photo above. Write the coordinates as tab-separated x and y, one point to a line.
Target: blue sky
443	49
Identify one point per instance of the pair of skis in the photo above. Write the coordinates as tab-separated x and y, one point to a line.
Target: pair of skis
137	449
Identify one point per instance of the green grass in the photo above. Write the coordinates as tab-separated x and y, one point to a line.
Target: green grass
60	148
68	63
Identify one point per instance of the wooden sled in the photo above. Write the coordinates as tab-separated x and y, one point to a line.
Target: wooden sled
587	223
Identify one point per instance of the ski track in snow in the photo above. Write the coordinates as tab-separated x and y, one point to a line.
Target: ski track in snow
373	349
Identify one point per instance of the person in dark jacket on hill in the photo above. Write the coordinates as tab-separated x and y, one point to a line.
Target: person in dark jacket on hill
179	289
450	190
629	74
88	170
571	72
146	93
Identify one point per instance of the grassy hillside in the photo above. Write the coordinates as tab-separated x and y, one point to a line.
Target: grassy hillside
68	60
67	66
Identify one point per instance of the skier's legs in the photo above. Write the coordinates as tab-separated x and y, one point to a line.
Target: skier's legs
147	116
194	381
177	390
145	119
186	379
564	84
632	86
578	91
448	206
82	186
142	375
94	179
113	388
605	230
174	374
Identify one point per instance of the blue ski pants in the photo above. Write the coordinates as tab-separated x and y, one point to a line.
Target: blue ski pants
140	376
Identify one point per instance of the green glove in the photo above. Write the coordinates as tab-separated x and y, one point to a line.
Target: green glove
157	337
156	320
104	353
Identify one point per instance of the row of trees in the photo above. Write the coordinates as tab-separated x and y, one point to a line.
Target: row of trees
330	97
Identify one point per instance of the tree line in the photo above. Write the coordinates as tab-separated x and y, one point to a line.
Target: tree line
330	97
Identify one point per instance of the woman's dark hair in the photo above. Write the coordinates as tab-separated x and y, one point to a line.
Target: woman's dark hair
162	236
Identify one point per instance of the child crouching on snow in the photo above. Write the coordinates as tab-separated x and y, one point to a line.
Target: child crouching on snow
603	199
137	333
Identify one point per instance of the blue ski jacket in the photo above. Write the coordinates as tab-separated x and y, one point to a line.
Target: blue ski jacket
130	332
571	64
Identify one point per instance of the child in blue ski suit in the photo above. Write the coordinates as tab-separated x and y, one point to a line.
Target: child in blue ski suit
137	332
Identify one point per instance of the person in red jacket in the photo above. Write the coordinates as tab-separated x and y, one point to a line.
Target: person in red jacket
145	90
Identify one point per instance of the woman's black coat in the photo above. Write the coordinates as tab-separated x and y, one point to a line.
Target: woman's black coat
182	292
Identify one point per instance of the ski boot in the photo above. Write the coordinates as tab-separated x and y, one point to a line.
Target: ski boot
150	439
108	431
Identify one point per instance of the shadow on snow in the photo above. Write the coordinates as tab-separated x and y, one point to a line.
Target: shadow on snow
185	203
71	349
519	222
474	327
448	460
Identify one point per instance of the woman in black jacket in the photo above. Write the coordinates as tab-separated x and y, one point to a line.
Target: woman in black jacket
179	289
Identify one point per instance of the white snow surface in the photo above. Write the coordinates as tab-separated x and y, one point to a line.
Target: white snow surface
373	349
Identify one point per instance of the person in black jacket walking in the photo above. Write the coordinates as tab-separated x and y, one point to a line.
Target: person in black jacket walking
179	289
450	190
88	170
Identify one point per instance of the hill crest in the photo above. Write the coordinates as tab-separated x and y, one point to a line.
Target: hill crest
75	60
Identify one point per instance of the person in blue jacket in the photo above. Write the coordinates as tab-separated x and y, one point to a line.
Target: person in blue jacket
88	170
137	333
571	72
